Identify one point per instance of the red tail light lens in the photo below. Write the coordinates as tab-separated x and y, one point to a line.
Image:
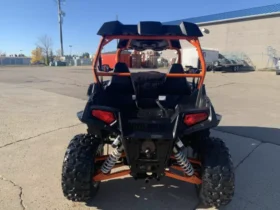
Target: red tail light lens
105	116
192	119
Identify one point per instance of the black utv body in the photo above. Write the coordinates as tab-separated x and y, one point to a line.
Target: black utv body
153	113
149	118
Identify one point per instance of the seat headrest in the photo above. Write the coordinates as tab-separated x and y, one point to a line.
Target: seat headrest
176	68
121	68
118	83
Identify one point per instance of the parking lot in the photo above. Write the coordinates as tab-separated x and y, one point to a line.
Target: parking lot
38	108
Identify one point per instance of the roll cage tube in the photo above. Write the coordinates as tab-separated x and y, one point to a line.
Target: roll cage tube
106	39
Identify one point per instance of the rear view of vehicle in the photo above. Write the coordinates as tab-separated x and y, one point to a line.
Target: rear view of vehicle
149	119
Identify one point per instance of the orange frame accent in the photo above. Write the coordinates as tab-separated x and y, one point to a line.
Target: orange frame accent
190	179
106	39
102	177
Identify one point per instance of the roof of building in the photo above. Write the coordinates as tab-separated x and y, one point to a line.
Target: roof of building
238	14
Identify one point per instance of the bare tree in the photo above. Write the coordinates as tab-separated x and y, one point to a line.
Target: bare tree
45	43
58	53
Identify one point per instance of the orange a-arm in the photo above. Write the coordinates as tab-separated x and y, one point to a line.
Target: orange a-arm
193	40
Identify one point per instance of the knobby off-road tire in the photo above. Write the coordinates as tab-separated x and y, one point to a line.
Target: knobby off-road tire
218	179
78	168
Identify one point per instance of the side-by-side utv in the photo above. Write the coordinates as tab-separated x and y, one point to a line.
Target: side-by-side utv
157	124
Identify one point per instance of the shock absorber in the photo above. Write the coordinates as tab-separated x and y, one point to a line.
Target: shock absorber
182	160
112	160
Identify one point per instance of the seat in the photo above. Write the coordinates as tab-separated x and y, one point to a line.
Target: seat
119	90
175	85
120	84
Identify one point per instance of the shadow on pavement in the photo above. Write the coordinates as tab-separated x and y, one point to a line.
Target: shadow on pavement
268	135
240	71
128	193
233	72
133	194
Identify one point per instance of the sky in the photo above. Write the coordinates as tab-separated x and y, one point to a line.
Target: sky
22	22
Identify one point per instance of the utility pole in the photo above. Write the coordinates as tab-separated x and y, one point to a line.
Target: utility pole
60	14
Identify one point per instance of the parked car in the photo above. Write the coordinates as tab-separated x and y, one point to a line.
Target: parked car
38	63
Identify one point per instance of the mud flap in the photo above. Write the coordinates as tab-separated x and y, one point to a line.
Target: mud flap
80	115
219	117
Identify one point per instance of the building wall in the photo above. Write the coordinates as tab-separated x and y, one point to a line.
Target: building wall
246	39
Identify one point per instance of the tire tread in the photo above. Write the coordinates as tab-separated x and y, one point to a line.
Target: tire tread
77	169
218	178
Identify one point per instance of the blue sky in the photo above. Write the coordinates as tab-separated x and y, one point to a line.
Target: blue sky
23	21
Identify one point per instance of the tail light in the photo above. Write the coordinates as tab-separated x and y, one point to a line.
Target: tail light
192	119
105	116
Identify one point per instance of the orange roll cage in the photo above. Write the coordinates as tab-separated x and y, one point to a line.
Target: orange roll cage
106	39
